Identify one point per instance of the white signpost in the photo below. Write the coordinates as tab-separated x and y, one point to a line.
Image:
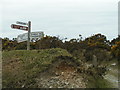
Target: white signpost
21	23
34	36
24	28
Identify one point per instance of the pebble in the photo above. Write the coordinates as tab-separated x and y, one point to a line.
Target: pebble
72	80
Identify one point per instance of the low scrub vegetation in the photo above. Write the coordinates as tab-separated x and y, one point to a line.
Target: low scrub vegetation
21	67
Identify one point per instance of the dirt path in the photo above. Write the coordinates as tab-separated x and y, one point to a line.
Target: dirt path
61	75
112	75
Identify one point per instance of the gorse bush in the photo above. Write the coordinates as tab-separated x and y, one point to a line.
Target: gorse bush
89	44
22	67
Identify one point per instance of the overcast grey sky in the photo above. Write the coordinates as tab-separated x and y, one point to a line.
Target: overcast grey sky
67	18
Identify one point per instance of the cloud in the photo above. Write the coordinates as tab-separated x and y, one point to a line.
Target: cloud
64	17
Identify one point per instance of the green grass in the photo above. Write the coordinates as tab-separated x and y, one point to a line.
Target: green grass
102	83
21	67
98	82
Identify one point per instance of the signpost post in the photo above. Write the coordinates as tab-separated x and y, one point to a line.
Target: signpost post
29	30
24	28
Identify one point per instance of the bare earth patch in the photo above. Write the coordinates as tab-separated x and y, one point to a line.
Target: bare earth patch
61	75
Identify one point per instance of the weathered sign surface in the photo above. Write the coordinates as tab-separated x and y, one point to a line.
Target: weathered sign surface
21	23
19	27
33	36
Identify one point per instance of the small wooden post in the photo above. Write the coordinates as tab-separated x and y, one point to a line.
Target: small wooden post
95	63
29	31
